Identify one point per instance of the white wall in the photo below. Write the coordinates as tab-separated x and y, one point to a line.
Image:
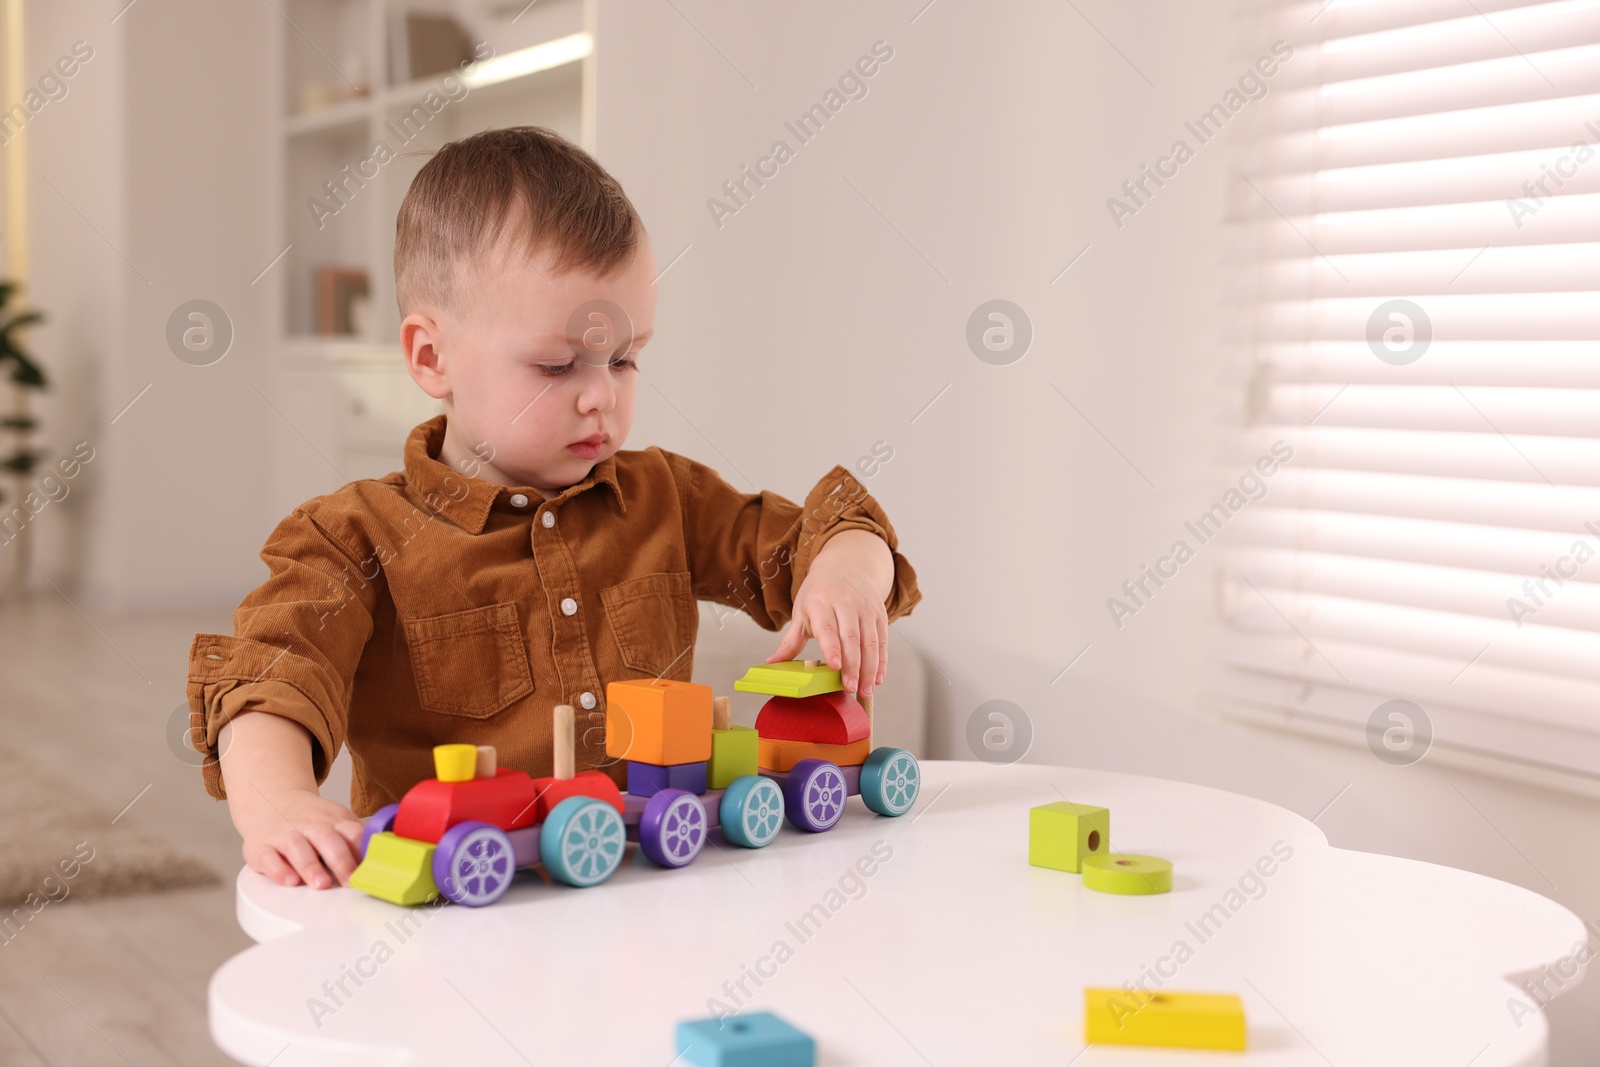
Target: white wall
160	157
806	328
990	141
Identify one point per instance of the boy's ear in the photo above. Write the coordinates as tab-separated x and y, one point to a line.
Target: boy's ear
419	335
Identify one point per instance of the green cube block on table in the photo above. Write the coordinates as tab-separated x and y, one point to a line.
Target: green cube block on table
1060	835
733	753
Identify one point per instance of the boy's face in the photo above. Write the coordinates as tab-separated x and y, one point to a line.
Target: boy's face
536	369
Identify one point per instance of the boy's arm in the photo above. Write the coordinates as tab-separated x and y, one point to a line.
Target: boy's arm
290	832
298	638
755	551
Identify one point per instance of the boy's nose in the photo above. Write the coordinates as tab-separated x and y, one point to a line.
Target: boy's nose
600	393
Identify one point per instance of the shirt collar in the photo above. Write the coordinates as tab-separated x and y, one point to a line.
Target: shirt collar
467	501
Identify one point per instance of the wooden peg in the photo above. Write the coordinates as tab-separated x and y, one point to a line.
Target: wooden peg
565	739
721	717
813	663
487	761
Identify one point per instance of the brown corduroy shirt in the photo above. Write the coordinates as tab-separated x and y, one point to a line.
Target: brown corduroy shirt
428	607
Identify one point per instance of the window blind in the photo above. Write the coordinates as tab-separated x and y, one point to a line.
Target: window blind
1436	536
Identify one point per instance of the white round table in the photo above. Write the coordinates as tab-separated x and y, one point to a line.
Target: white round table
926	939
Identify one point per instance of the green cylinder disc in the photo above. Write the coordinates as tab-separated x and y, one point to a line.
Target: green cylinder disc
1127	874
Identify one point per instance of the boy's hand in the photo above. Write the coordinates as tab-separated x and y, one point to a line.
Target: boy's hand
300	836
291	833
841	604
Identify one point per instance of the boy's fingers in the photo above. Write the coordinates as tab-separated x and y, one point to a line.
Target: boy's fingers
871	649
826	631
352	830
335	850
269	863
298	851
850	641
883	652
793	641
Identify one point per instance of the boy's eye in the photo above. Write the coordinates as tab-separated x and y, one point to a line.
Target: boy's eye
557	370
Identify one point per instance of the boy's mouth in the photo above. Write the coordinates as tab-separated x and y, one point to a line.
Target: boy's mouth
590	446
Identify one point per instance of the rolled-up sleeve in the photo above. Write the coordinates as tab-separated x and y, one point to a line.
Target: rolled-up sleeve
298	638
752	551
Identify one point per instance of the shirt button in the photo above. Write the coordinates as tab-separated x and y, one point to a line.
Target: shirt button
548	518
518	500
587	700
569	606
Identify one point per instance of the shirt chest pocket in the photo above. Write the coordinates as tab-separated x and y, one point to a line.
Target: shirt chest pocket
470	663
654	622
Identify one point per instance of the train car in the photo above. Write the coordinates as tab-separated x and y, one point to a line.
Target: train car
463	833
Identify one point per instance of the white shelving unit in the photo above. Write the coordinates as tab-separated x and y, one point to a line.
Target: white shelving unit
539	71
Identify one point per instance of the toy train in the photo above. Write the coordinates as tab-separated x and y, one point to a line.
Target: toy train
464	833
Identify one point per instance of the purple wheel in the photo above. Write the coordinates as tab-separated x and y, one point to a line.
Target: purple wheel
814	795
473	863
672	828
378	822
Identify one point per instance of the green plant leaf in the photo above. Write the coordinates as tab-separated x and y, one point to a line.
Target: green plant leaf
26	372
27	318
21	462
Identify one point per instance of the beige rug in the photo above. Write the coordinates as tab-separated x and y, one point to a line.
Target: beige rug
57	844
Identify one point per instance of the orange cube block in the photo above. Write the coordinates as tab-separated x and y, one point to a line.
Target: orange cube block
658	720
776	755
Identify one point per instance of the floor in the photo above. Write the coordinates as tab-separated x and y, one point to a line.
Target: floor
122	980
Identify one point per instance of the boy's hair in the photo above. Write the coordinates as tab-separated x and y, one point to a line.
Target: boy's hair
526	185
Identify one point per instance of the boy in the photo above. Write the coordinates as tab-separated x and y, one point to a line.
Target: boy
521	559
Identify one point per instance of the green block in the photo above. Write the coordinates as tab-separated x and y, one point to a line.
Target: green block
1127	874
396	869
1060	835
733	753
791	678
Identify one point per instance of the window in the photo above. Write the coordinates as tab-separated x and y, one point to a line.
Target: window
1419	216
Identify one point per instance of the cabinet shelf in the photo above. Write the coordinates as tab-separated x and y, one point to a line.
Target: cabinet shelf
566	51
503	70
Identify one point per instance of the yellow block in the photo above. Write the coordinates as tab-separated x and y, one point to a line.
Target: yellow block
397	869
455	763
775	755
1171	1020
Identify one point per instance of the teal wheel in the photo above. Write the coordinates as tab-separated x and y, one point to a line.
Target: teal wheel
890	781
751	811
582	841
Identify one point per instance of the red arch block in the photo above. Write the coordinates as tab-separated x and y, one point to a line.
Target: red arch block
824	719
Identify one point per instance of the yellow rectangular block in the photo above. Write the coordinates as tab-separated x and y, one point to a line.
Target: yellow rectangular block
775	755
735	752
658	720
1169	1020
